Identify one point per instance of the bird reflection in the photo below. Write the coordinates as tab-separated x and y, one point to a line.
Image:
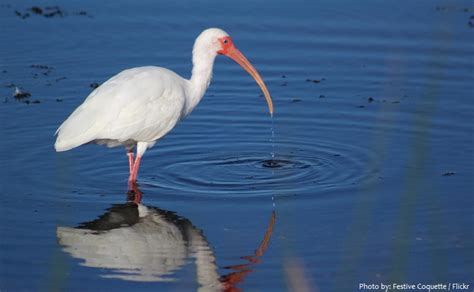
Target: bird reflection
139	243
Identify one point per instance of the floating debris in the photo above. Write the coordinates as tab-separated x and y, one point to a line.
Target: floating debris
449	173
23	96
53	11
19	94
370	99
48	12
313	80
22	15
82	12
36	10
39	66
36	101
47	69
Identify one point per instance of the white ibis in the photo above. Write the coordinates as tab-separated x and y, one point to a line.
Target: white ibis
138	106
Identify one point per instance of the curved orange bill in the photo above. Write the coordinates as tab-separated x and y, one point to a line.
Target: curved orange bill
238	57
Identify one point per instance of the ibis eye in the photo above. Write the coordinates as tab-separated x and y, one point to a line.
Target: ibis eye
226	41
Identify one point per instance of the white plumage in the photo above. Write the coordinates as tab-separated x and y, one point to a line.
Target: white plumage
135	105
138	106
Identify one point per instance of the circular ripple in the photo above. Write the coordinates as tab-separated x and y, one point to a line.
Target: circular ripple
213	170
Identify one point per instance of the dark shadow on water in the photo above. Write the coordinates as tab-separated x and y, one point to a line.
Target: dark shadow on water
135	242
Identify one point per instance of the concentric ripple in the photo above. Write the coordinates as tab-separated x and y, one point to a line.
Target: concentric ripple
237	172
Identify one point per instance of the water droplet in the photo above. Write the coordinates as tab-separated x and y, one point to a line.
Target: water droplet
272	139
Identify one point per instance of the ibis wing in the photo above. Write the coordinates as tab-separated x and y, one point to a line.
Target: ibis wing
140	104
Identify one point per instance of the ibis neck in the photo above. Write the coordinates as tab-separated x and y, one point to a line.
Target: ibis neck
201	76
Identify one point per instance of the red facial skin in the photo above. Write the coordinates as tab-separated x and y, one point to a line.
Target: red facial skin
226	43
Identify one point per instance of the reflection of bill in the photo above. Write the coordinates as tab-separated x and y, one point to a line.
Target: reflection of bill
139	243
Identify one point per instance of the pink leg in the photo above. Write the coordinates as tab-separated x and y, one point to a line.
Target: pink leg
134	173
130	160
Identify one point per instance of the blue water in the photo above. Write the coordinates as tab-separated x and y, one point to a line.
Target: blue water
373	140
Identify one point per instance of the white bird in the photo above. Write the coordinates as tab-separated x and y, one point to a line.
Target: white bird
138	106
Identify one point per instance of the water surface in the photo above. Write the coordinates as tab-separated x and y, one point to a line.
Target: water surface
372	174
